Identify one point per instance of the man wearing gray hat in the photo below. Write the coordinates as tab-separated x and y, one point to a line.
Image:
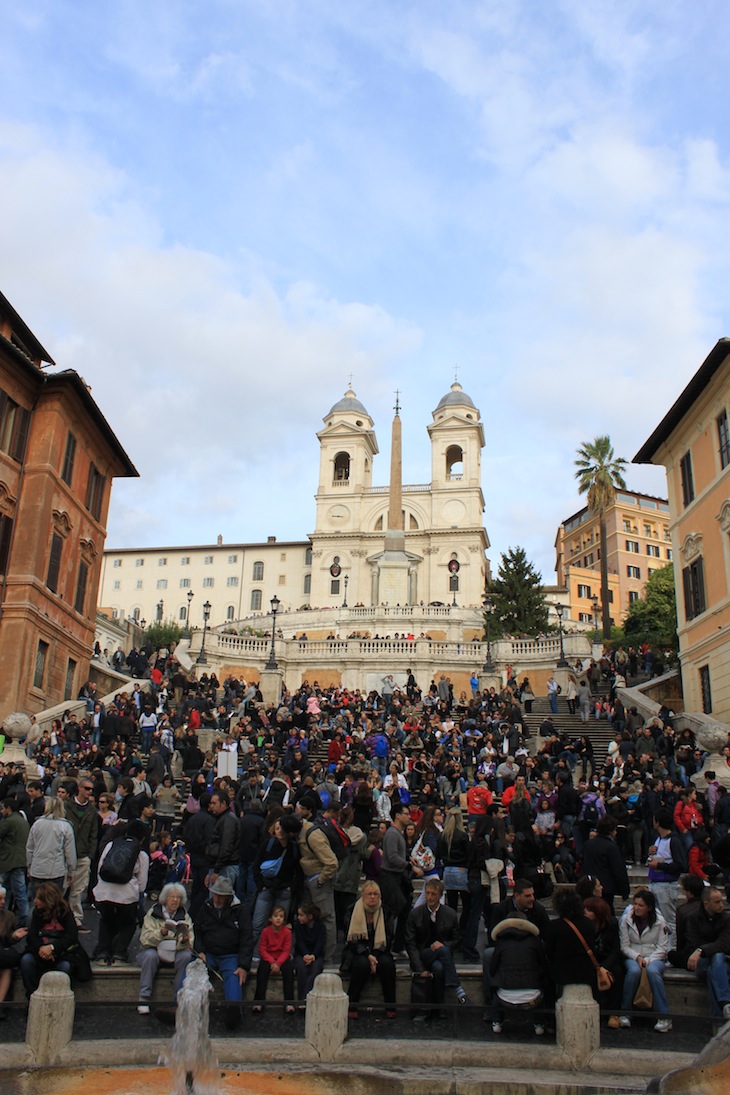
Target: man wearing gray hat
224	938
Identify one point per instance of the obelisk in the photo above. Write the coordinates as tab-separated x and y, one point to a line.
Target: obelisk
394	537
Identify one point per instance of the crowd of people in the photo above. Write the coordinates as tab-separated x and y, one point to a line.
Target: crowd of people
459	824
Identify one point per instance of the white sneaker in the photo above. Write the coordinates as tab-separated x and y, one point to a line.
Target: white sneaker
143	1009
624	1021
539	1029
496	1027
662	1026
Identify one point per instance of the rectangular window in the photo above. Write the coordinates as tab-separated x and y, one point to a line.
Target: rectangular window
335	586
688	486
117	563
307	584
14	426
208	583
584	591
282	557
693	579
588	560
669	553
6	535
723	437
139	562
184	583
117	585
67	470
653	550
232	558
282	579
208	560
80	598
706	689
95	492
232	581
185	561
633	596
633	546
626	525
54	563
633	572
139	584
70	673
40	664
162	561
162	583
647	530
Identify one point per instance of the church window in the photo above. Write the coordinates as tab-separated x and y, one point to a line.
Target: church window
342	466
454	462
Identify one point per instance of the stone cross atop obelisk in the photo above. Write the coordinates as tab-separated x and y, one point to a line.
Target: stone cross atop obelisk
394	538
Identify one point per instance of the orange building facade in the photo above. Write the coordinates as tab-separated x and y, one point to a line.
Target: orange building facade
638	540
58	456
693	443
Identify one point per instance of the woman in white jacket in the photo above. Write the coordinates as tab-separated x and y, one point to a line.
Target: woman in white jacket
645	944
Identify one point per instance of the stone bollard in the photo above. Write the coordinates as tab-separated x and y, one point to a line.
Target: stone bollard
325	1026
577	1024
50	1017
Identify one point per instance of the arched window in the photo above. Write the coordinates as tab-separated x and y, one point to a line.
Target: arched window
342	466
307	584
182	613
454	462
258	572
256	599
308	557
230	613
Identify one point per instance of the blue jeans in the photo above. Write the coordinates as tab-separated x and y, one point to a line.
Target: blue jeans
227	964
265	901
147	733
440	965
246	885
714	972
14	881
655	970
231	872
553	698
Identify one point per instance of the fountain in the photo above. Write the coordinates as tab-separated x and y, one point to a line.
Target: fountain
191	1058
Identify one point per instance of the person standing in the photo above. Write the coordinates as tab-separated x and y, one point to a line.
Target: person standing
223	850
667	861
82	815
552	694
394	878
319	865
602	859
50	852
14	831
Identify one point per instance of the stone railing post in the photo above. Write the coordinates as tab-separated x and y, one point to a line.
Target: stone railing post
325	1025
577	1025
50	1017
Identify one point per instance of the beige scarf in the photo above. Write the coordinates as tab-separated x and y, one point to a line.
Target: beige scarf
359	929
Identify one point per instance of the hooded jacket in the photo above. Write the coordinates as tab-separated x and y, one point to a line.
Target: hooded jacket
518	961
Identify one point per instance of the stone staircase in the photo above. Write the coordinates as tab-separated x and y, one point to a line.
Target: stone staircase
599	731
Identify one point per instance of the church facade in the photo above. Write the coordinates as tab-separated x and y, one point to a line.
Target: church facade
391	545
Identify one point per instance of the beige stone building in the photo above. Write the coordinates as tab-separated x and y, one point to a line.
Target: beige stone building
372	545
639	543
693	443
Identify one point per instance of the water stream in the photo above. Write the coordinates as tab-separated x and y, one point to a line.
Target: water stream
190	1058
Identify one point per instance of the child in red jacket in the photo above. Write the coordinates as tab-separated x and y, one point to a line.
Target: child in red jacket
275	957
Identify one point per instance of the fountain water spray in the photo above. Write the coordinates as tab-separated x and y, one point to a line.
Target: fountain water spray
191	1059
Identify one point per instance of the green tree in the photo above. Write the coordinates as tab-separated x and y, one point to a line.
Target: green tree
653	617
517	596
599	474
162	634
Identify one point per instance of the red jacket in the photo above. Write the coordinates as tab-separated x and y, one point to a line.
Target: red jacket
275	947
478	798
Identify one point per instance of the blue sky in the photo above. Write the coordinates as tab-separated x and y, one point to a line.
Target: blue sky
217	211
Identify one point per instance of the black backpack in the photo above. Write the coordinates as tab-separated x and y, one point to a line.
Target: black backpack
337	838
590	813
120	860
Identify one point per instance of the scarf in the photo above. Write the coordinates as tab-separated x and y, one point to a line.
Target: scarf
358	929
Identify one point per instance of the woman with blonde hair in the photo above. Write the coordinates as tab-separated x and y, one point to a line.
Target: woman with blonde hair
454	851
367	951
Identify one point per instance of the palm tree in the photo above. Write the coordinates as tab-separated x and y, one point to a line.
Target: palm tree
599	474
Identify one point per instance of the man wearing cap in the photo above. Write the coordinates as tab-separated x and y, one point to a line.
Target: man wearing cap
224	940
319	865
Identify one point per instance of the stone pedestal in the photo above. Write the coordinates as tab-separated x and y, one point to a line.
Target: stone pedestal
271	684
490	680
577	1025
50	1017
325	1026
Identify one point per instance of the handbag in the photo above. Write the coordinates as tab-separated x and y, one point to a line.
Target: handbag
604	977
456	878
644	997
422	855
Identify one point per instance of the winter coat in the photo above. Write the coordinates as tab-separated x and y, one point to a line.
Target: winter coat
123	893
51	849
225	931
518	961
151	932
652	944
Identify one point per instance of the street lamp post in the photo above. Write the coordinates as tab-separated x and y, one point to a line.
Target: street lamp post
187	617
488	609
344	602
143	624
201	659
595	617
559	610
271	664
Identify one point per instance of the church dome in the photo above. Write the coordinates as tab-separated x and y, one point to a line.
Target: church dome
349	404
456	397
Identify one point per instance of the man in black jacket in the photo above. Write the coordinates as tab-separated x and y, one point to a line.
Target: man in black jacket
198	833
223	850
708	948
603	860
521	902
432	934
224	939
